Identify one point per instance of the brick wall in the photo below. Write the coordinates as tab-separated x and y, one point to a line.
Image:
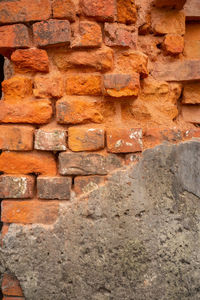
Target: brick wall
91	84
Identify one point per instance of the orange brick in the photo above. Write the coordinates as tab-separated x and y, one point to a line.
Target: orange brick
11	286
123	140
29	212
16	138
31	111
78	111
13	298
85	139
85	184
64	9
191	93
27	163
4	231
155	136
170	3
192	133
191	113
30	60
17	87
83	84
24	11
173	44
87	34
126	11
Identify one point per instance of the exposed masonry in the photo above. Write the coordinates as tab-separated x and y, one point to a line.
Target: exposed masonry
89	85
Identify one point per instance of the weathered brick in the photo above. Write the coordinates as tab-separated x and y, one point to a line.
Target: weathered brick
64	9
33	112
177	71
52	32
50	139
4	231
170	3
173	44
119	85
132	61
16	138
126	11
82	164
87	34
86	139
14	36
48	86
120	35
16	187
98	60
13	298
83	84
11	286
103	10
78	111
191	113
30	60
123	140
192	10
155	136
28	163
85	184
168	21
17	87
29	212
192	133
191	93
17	11
54	188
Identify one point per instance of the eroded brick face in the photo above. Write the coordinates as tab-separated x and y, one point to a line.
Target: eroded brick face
89	85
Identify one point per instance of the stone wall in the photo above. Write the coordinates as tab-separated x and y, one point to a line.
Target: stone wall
89	86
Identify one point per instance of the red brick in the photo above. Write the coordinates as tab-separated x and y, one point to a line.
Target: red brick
28	163
16	138
191	93
96	60
17	11
120	85
192	10
166	21
191	113
170	3
173	44
120	35
85	184
82	164
87	34
16	187
64	9
33	112
54	188
126	11
30	60
50	139
123	140
14	36
11	286
86	139
48	86
177	70
103	10
52	32
83	84
29	212
155	136
17	88
78	111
